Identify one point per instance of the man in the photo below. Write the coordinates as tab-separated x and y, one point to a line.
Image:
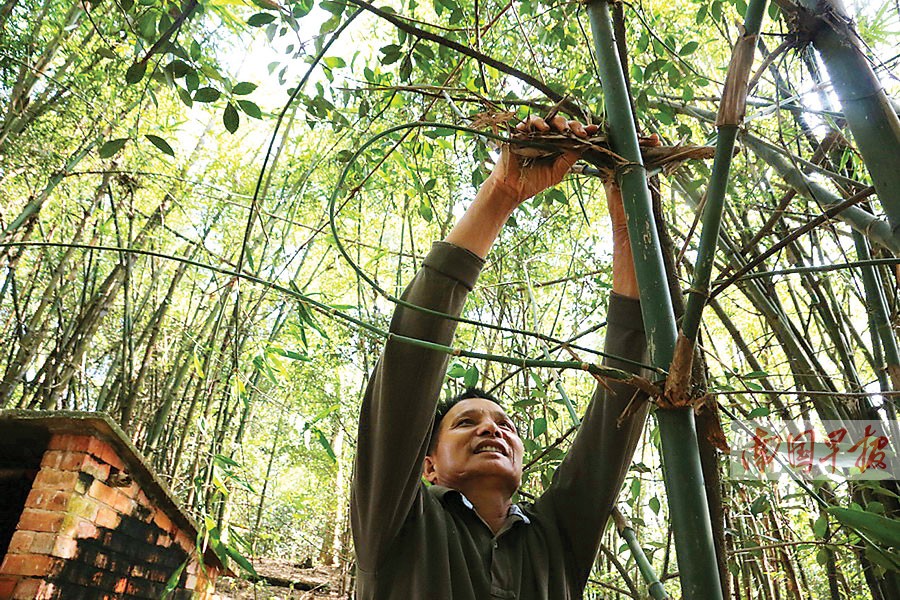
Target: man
462	538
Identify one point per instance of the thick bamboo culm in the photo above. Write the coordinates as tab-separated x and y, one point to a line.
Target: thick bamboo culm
866	107
683	474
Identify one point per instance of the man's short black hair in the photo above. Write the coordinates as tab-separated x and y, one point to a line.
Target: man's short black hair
444	407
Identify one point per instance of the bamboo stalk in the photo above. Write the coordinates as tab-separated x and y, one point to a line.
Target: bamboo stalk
731	114
655	587
875	229
877	307
867	108
683	473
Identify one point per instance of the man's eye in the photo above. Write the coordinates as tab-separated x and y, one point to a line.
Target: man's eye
507	425
464	422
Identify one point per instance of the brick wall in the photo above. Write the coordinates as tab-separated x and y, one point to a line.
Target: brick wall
88	530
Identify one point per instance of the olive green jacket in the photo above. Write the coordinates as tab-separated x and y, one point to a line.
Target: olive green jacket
415	541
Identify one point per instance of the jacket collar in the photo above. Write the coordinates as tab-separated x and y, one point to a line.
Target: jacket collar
515	514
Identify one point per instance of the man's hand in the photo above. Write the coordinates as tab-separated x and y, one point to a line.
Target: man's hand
515	181
511	182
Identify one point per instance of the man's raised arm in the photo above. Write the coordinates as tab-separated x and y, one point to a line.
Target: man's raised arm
587	483
399	403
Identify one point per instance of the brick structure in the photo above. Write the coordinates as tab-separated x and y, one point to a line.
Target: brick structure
83	516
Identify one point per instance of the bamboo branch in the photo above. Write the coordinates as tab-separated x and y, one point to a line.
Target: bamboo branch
566	105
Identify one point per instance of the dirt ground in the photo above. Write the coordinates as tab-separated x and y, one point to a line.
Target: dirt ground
293	583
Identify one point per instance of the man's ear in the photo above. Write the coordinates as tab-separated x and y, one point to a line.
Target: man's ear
429	470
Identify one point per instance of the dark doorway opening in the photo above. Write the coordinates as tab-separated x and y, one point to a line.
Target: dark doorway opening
21	449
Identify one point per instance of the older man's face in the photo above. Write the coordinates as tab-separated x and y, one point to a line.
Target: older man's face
477	445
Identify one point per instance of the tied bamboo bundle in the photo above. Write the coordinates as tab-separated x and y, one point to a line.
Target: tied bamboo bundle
596	150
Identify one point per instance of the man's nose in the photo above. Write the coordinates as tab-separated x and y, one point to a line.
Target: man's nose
489	427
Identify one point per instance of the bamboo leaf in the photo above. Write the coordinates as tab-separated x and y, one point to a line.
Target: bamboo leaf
243	88
111	147
230	118
688	48
470	379
250	108
456	371
172	582
820	527
323	441
161	144
240	559
884	530
260	19
334	62
207	94
135	72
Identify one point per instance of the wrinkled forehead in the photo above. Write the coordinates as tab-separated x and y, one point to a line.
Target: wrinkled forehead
476	407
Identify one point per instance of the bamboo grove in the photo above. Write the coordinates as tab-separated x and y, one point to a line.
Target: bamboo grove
209	209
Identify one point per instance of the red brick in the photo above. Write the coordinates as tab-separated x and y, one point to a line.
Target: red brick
107	517
94	467
34	519
28	589
20	543
123	503
65	547
70	441
43	543
102	492
83	507
72	461
184	541
58	441
48	499
121	585
55	479
7	585
27	564
105	453
47	591
52	458
143	500
101	561
85	529
131	491
162	521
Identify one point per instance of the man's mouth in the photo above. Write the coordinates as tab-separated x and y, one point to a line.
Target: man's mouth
490	447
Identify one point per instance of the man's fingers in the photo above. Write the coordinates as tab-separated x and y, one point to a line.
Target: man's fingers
651	141
533	122
577	128
559	123
556	123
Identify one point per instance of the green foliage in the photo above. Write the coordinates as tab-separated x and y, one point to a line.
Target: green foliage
245	397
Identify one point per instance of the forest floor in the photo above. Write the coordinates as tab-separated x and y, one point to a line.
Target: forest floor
284	580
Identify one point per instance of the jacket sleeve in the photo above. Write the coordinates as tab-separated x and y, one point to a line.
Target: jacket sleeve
398	407
587	482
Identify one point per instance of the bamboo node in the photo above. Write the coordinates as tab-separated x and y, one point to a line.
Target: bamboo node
734	94
679	379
